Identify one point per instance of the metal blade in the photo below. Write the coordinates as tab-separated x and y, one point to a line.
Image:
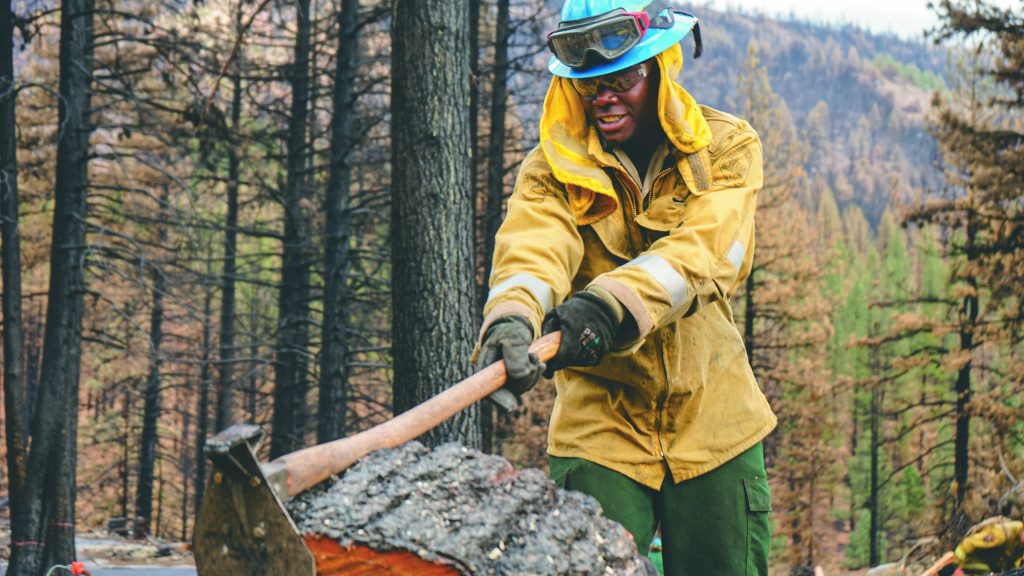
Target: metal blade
243	527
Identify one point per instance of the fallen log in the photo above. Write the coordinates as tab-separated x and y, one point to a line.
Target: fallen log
455	511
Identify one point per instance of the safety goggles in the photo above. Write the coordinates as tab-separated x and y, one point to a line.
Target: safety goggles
606	36
618	81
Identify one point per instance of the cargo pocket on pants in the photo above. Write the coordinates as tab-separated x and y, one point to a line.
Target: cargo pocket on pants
759	504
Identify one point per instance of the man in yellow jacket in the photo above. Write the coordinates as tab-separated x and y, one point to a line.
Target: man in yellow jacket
630	228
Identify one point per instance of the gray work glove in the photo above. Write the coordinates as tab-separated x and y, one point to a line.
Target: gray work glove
508	338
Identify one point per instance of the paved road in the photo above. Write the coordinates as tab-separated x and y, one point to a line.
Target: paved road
157	571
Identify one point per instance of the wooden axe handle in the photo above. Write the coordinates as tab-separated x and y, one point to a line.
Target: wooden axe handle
947	559
310	466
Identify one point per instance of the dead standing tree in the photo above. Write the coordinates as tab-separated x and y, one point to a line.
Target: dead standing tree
148	449
225	371
15	392
337	259
290	365
49	497
431	207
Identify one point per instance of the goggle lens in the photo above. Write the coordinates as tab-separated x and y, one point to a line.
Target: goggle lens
617	35
616	82
572	48
606	36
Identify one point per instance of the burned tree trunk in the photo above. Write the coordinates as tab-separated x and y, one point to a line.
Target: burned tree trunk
14	381
456	511
290	364
225	370
431	209
49	495
203	410
496	142
151	398
495	184
333	362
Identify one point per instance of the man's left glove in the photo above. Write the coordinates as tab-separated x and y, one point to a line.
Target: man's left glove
508	338
588	323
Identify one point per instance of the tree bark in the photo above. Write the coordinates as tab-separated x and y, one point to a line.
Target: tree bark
968	322
874	423
185	462
474	145
225	381
252	390
126	441
431	208
50	484
151	399
334	352
203	411
290	378
498	521
15	385
495	181
496	142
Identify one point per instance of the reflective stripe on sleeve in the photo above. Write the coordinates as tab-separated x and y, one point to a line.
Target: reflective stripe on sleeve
540	290
736	255
663	273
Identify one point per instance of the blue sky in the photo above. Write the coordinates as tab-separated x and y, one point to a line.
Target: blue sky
905	18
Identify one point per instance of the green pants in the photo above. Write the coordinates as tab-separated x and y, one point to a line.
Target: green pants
713	525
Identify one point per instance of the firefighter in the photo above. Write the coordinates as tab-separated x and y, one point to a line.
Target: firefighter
995	545
630	228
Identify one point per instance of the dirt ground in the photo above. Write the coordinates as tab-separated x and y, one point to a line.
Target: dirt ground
102	549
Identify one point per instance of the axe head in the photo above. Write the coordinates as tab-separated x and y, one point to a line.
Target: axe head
243	527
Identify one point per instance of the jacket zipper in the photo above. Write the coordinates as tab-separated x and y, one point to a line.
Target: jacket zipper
627	183
650	191
631	190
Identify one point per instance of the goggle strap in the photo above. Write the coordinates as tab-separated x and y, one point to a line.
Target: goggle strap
698	46
585	22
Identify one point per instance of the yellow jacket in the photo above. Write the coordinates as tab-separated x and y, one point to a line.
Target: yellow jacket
680	391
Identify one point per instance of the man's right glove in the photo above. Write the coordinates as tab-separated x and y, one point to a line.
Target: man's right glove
508	338
588	323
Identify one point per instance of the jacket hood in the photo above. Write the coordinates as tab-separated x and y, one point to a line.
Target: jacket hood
574	151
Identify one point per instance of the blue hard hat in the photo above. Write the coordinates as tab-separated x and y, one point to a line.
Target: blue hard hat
654	42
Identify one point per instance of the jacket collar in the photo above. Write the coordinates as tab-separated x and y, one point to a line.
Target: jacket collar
578	159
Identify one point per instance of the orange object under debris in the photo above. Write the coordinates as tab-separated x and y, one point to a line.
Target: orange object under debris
332	559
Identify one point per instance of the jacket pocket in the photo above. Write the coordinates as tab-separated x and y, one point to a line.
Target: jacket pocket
611	233
666	212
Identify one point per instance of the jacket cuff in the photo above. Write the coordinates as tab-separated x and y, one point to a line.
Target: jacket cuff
632	304
613	303
505	309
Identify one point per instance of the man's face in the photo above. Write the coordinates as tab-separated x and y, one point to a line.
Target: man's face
627	113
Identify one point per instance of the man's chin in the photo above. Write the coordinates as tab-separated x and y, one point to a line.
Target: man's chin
616	137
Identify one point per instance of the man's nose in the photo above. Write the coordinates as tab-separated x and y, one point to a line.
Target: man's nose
605	96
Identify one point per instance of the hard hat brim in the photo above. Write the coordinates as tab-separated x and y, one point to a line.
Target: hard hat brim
655	41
